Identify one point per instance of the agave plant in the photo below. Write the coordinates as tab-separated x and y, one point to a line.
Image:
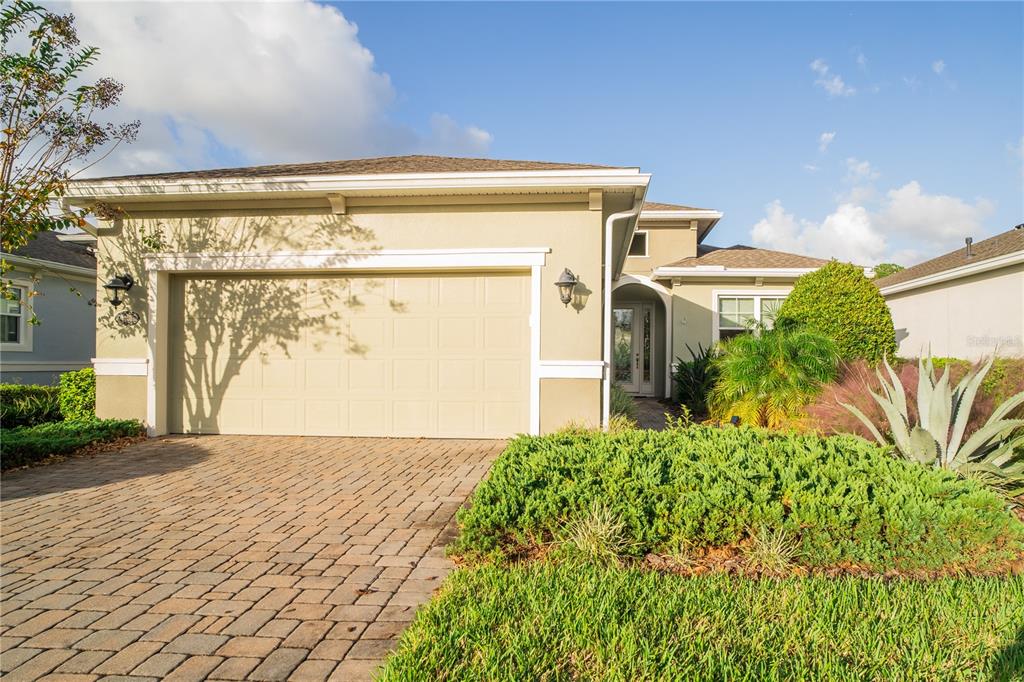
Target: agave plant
991	453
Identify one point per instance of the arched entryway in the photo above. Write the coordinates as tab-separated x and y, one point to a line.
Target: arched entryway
641	336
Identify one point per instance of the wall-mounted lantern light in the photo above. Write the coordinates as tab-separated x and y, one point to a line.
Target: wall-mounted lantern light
566	283
118	285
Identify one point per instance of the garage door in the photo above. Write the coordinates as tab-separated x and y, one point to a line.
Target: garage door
397	355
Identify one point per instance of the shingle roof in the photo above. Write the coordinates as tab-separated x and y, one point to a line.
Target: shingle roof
740	256
658	206
1008	242
372	166
47	247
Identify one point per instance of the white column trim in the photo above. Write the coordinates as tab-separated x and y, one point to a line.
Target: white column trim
535	376
571	369
121	367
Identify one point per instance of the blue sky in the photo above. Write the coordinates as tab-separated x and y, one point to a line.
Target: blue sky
871	131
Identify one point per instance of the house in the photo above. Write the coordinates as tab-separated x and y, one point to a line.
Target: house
405	296
53	277
968	303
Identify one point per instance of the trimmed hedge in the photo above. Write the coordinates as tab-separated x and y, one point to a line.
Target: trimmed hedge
839	301
78	395
28	444
842	499
28	404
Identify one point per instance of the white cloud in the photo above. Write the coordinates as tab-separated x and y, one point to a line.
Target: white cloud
811	168
251	82
846	233
909	226
936	219
830	81
858	171
912	82
824	140
938	66
862	61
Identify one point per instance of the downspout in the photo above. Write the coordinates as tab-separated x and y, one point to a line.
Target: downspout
606	384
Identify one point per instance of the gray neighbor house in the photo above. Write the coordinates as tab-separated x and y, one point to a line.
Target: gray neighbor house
54	277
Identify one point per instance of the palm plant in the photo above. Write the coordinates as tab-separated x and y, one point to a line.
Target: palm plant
768	376
695	378
992	453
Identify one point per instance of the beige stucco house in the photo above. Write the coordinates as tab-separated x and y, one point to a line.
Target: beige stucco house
405	296
968	303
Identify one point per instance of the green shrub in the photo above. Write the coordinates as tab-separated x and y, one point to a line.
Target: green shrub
586	622
622	403
28	444
840	302
766	378
78	395
694	379
840	499
26	405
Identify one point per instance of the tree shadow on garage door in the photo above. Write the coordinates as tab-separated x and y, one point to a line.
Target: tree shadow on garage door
237	331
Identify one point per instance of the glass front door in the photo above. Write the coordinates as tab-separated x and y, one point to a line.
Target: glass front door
631	347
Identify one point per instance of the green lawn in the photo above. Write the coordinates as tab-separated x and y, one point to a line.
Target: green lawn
546	621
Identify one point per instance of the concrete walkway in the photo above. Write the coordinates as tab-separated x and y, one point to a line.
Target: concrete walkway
226	557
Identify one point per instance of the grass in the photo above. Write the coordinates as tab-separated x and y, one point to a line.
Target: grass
839	501
572	621
24	445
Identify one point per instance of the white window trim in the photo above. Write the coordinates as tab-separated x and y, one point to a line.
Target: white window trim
647	245
24	345
160	266
755	294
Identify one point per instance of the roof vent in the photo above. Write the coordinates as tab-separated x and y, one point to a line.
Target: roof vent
969	241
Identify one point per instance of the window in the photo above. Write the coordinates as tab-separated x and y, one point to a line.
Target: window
638	247
738	313
12	317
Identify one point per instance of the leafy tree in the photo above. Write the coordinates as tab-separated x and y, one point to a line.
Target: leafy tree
886	269
840	302
47	115
768	376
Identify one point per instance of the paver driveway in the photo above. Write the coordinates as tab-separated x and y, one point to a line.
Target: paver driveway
227	557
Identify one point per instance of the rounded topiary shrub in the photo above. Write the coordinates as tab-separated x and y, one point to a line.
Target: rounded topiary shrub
78	395
839	301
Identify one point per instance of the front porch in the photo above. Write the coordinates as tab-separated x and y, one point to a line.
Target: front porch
641	337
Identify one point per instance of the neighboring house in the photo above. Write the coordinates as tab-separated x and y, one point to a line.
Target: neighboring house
53	277
968	303
406	296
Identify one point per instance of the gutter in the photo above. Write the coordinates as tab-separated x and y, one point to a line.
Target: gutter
606	341
711	272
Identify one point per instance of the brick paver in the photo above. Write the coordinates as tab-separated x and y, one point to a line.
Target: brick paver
227	557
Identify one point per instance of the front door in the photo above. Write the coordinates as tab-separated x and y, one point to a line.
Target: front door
632	353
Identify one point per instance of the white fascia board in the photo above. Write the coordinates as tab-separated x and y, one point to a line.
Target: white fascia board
384	259
50	266
83	191
956	273
694	214
713	271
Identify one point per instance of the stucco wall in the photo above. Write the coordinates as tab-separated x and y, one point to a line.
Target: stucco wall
63	340
693	308
966	318
569	229
666	243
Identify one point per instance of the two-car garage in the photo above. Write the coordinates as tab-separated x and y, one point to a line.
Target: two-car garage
427	354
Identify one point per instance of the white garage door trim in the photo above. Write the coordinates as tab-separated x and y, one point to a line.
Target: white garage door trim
159	266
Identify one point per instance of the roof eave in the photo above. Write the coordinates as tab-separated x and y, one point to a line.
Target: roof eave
83	191
711	272
42	264
953	273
